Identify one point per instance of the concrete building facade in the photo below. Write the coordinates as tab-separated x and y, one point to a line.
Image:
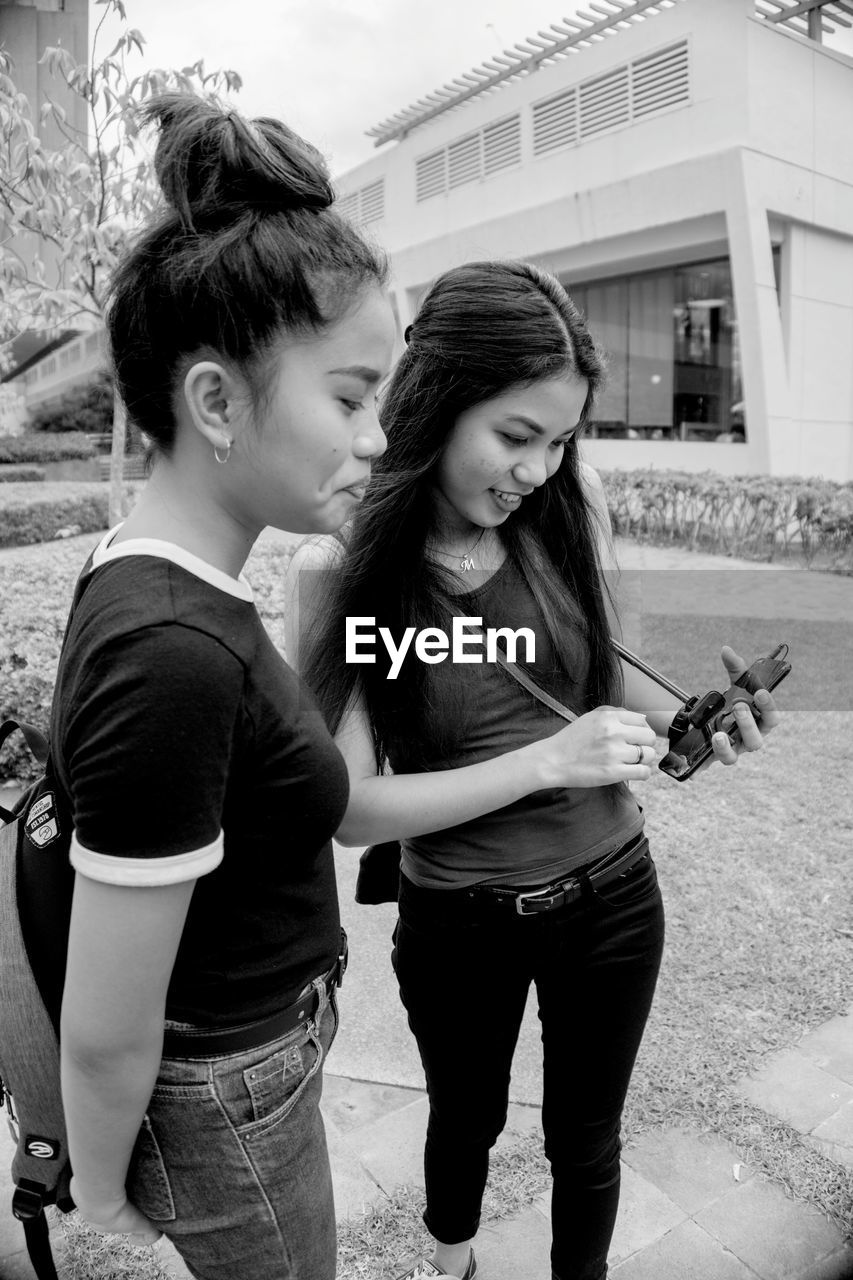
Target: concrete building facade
690	179
27	28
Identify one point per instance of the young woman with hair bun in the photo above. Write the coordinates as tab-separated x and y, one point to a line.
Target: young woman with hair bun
523	854
249	331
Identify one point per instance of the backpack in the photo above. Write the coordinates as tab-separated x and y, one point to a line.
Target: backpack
36	884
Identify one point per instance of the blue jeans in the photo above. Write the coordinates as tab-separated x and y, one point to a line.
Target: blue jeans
231	1161
464	968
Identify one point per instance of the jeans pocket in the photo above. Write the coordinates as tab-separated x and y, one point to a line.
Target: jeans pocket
147	1180
637	886
268	1086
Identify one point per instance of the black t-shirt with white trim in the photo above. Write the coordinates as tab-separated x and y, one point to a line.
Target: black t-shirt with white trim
190	750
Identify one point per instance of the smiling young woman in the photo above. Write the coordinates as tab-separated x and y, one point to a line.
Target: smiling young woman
524	859
249	332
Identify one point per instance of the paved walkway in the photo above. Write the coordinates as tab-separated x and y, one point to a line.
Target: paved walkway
691	1208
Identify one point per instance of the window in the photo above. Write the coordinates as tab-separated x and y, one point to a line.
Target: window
469	159
671	339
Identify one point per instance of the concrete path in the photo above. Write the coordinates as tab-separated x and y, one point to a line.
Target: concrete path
691	1208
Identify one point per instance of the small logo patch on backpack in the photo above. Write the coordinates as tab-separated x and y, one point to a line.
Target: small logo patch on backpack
42	825
41	1148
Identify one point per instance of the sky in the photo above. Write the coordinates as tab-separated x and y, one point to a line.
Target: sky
333	68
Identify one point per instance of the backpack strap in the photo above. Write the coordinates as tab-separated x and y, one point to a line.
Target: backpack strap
38	745
28	1207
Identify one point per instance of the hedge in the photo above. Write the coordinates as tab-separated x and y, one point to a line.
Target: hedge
39	513
12	474
45	448
757	517
36	593
89	407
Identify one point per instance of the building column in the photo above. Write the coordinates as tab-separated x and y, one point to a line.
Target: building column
771	430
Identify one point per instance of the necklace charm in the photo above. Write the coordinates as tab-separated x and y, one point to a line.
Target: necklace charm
466	560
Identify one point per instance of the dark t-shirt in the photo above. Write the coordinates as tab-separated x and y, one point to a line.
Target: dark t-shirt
547	833
190	750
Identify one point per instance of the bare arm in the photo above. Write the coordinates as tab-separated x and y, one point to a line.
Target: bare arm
597	749
303	590
121	952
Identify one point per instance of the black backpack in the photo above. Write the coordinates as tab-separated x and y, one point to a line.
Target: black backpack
36	887
36	884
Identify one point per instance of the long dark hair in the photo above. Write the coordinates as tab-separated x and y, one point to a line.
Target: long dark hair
246	247
482	329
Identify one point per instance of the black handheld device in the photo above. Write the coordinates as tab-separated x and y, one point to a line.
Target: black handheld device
699	718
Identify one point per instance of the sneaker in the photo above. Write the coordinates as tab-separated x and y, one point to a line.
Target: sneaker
423	1269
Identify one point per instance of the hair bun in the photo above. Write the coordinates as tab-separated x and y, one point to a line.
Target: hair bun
212	163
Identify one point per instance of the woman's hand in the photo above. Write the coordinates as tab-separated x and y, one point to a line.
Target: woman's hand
751	734
607	745
117	1217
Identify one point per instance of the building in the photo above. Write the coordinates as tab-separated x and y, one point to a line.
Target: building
686	169
27	28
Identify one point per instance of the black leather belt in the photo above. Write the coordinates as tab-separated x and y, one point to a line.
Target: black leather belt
560	893
202	1042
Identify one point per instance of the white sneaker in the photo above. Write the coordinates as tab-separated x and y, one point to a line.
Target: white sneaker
424	1269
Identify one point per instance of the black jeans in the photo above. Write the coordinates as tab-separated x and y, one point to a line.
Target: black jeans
464	969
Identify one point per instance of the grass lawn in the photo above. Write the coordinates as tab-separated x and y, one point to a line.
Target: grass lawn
755	868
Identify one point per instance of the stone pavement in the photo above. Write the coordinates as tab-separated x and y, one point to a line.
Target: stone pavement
691	1207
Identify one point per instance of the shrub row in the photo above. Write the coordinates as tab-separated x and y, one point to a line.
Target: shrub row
45	448
757	517
39	513
23	474
36	594
88	407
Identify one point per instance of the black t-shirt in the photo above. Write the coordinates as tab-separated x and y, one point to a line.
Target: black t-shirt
190	750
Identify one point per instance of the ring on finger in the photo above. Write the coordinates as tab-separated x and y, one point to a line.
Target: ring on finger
641	751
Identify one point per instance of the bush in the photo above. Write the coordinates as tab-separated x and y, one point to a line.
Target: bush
44	448
88	408
29	514
36	589
759	517
36	594
20	475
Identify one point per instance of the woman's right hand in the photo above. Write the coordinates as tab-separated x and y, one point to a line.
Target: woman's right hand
597	749
118	1217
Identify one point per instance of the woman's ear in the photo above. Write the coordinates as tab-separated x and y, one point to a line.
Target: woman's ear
210	395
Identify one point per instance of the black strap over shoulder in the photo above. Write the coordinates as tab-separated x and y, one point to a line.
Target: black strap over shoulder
36	1232
38	745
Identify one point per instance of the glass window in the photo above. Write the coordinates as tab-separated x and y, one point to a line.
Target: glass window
674	369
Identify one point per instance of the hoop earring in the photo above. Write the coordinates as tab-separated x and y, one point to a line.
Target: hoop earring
228	444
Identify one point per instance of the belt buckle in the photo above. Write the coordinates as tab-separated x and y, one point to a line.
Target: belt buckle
543	898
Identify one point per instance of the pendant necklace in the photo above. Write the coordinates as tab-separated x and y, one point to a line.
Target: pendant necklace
467	561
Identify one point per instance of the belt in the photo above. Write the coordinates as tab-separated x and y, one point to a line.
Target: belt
203	1042
560	893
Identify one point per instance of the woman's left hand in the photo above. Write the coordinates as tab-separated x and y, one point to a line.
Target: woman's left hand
752	734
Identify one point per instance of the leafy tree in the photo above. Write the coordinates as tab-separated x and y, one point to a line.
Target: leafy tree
67	211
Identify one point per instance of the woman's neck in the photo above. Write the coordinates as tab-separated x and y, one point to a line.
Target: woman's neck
173	509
